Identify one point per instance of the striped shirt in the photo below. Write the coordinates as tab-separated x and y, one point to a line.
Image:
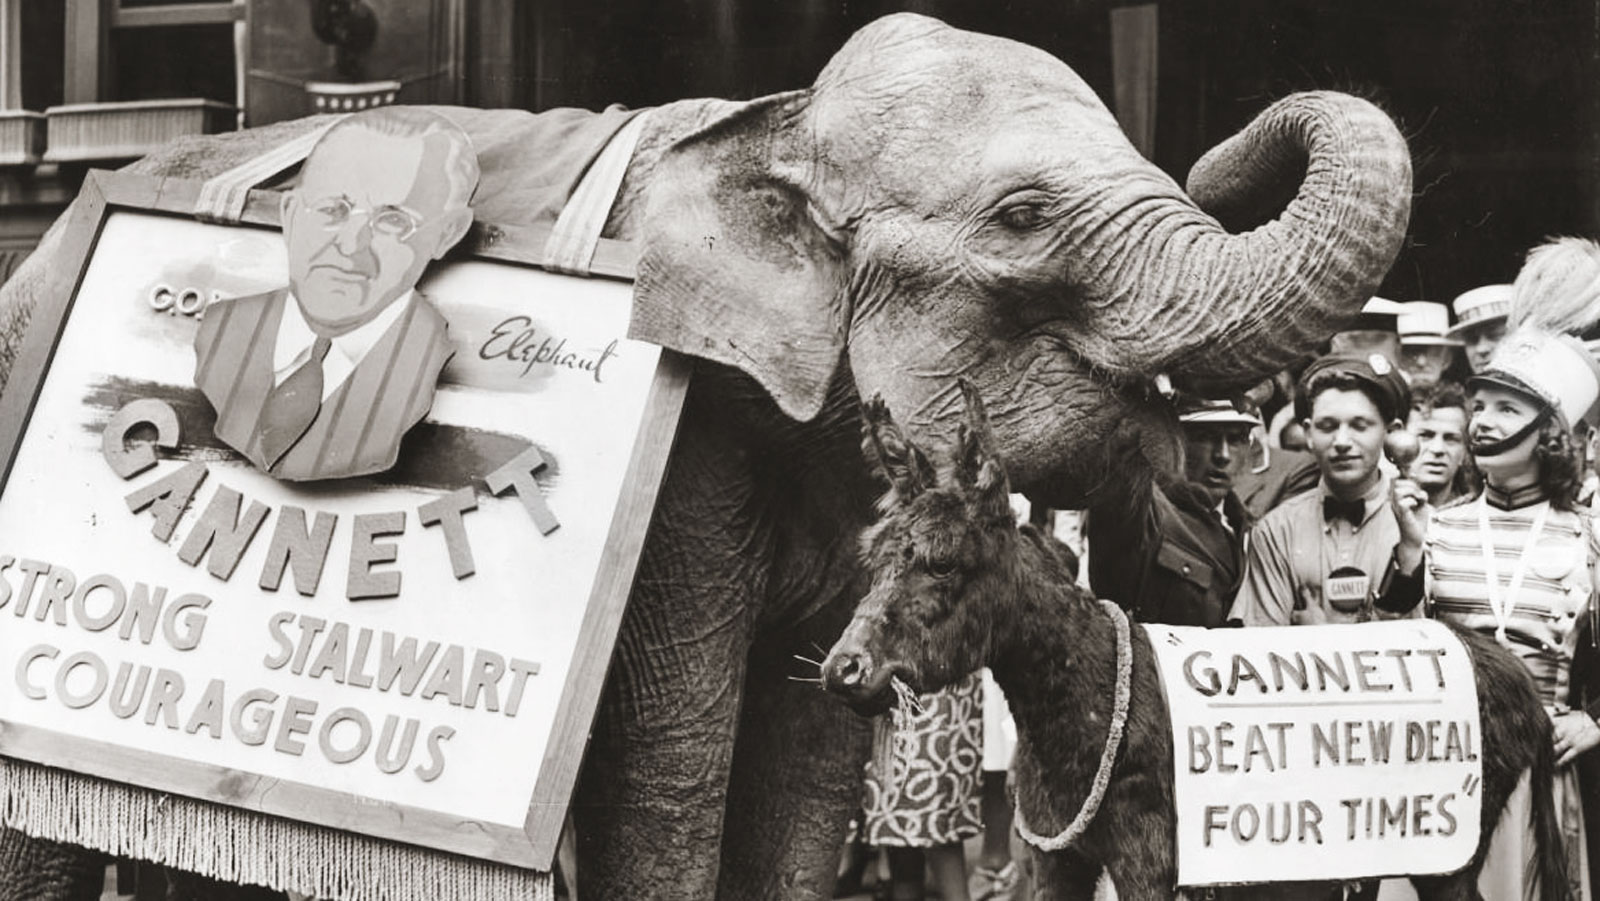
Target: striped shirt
1542	622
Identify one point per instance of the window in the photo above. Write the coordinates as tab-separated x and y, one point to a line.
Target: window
150	50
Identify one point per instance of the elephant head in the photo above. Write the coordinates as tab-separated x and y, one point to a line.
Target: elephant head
942	204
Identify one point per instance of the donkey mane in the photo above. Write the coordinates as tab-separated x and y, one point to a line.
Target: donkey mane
1058	563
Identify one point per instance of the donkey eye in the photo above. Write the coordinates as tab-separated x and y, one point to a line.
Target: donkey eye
941	569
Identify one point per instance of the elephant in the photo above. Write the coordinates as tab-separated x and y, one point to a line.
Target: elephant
938	205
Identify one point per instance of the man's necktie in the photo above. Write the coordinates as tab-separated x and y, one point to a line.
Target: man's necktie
1352	512
291	407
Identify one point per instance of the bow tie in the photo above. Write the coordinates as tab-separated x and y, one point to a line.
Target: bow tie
1352	512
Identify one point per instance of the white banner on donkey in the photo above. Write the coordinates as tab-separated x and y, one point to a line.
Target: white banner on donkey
1325	752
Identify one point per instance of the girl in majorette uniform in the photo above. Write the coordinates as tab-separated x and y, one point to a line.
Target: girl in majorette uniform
1518	561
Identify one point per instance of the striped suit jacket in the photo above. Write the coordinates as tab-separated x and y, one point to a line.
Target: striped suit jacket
357	430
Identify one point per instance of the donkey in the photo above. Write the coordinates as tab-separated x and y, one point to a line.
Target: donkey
957	584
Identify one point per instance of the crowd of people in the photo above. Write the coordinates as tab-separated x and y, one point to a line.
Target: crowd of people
1434	461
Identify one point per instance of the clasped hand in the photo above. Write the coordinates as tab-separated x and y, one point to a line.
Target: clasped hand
1575	733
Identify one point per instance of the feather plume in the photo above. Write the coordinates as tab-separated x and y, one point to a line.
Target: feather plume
1558	289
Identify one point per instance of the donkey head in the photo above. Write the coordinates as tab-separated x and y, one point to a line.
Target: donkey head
938	558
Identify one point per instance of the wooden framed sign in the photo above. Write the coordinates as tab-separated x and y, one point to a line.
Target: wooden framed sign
380	598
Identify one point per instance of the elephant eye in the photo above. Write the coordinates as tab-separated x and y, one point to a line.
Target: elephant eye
1022	216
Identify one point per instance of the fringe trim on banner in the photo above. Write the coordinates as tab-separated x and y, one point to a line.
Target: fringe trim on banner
237	845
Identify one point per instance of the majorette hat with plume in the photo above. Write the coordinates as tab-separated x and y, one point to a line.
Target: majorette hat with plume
1556	294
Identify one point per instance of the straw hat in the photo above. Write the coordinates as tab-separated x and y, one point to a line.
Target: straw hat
1479	306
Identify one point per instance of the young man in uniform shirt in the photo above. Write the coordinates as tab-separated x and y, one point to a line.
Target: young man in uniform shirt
1324	556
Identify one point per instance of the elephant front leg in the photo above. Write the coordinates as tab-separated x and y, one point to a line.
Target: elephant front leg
650	804
796	774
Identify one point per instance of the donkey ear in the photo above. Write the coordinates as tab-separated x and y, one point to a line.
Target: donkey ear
891	454
734	268
976	465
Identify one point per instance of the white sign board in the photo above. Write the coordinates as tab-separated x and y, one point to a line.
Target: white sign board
408	654
1321	752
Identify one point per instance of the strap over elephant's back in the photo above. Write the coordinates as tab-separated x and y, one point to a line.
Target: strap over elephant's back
530	163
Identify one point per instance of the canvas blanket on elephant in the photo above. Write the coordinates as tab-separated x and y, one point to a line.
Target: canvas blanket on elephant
938	204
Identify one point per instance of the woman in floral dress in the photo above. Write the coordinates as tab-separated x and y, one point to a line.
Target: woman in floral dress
922	796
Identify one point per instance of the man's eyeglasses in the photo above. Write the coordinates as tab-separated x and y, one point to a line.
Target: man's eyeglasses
332	213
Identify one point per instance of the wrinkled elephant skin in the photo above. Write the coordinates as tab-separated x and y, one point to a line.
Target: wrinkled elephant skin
940	204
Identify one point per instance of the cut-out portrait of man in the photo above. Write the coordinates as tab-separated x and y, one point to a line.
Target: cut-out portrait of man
322	379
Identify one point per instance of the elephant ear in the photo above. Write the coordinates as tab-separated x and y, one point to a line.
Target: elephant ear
734	268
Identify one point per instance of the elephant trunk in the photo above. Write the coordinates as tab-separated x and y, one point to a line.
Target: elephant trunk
1218	306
